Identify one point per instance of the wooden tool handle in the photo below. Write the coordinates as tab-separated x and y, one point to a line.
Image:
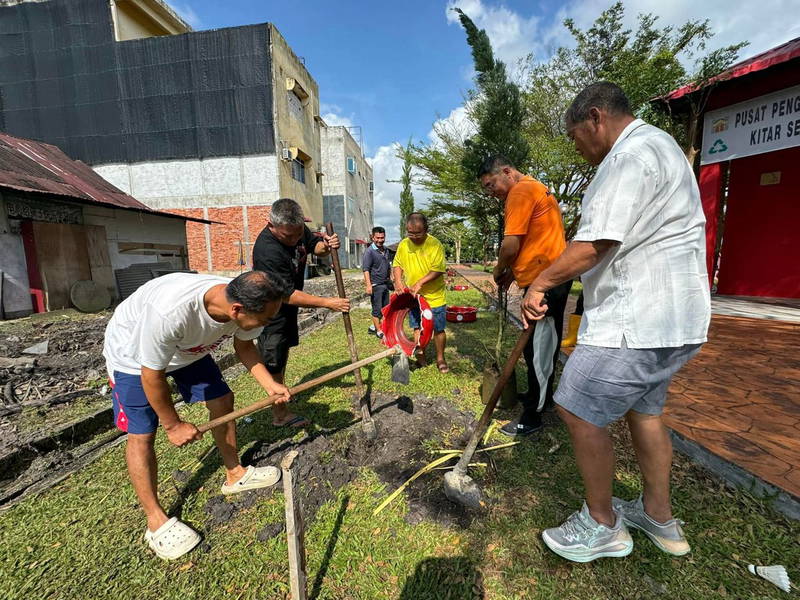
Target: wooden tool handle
348	325
508	369
261	404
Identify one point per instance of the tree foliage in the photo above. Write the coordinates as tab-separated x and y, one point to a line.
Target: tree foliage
406	196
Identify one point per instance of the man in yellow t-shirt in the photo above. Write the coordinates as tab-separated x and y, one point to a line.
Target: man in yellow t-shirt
533	239
419	264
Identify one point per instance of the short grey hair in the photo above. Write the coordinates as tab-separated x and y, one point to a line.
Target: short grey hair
603	94
286	212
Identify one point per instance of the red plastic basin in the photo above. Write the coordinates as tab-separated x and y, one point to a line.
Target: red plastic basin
461	314
460	288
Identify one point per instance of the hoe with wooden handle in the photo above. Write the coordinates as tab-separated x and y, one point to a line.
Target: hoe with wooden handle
458	486
400	374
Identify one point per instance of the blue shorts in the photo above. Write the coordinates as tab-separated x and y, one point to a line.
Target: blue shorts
439	318
197	382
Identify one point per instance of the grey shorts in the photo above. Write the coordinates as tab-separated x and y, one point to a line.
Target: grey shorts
600	384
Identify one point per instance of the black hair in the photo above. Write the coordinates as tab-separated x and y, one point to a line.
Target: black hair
378	229
492	164
254	289
417	217
603	94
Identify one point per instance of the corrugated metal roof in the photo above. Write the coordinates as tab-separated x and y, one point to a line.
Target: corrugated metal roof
770	58
31	166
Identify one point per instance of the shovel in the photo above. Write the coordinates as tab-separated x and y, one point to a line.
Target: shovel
400	373
367	424
458	486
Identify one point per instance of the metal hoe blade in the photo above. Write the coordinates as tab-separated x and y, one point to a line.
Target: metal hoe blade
400	367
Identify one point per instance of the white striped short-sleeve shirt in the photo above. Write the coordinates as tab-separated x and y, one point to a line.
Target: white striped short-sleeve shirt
652	289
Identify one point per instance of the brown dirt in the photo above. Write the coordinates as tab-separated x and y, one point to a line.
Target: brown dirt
330	460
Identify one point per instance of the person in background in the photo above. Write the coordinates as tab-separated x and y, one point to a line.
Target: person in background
533	239
377	269
281	250
419	263
640	252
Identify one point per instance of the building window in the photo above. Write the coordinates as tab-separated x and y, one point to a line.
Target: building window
295	105
351	164
298	170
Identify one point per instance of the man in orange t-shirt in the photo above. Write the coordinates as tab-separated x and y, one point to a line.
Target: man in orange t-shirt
533	239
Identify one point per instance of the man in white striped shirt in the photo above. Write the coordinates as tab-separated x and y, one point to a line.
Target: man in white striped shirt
640	252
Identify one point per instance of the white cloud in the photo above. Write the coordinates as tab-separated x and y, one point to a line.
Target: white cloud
456	123
513	36
333	115
187	13
386	165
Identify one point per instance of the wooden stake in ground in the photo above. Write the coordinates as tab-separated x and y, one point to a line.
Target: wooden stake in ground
295	533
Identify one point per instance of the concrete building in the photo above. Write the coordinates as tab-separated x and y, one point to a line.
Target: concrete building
347	192
60	222
214	125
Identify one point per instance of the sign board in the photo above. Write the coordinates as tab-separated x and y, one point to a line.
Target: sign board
758	125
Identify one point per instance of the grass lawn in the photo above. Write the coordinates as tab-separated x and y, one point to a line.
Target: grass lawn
83	539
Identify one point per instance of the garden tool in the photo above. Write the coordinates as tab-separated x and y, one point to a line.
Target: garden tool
458	486
367	424
400	374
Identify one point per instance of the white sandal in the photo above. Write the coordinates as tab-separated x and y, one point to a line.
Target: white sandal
172	540
253	479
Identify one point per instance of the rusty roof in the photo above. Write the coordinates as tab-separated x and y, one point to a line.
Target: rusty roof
31	166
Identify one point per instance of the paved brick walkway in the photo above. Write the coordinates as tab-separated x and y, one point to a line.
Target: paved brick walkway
740	397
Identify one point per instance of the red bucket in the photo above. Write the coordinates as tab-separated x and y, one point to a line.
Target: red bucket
461	314
460	288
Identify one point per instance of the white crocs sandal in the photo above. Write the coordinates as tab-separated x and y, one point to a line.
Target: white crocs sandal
253	479
172	540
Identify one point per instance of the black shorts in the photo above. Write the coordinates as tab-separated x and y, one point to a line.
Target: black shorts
274	349
380	298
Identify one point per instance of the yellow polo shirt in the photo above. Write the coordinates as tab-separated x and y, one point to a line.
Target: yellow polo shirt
417	260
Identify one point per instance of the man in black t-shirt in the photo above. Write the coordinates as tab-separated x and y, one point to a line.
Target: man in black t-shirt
281	250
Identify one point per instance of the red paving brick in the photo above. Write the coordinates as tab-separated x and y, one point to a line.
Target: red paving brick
740	396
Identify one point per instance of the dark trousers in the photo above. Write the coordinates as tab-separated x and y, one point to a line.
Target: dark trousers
556	303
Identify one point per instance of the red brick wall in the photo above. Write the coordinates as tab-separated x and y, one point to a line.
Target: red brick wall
225	236
195	238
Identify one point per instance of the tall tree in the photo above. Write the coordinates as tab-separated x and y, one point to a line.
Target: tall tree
406	196
646	62
499	117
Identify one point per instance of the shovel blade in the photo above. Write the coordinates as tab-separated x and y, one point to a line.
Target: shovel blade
400	368
460	488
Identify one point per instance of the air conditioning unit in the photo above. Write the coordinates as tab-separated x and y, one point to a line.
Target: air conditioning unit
286	154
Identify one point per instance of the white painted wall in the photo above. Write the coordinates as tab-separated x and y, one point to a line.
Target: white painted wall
198	183
130	226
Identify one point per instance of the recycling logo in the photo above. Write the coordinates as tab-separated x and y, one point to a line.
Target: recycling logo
718	147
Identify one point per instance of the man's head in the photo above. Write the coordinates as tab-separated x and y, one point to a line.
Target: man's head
417	228
596	118
286	221
254	298
497	176
378	236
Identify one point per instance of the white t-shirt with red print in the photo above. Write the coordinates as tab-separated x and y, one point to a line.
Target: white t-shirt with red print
165	325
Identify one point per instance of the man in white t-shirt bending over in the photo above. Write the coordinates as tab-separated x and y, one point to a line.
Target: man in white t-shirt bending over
170	326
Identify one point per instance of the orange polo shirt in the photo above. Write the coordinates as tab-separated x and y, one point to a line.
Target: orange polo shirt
532	212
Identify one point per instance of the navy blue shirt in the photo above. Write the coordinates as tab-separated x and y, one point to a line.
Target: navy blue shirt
377	263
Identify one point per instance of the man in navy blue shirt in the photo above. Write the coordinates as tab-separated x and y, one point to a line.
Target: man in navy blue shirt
377	276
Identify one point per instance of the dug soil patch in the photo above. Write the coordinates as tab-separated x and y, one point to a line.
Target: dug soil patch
331	459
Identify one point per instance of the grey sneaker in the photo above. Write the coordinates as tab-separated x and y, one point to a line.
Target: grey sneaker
667	536
582	539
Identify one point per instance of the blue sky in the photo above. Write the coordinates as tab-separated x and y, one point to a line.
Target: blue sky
394	68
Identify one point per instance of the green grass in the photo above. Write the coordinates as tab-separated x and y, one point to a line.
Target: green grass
83	539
